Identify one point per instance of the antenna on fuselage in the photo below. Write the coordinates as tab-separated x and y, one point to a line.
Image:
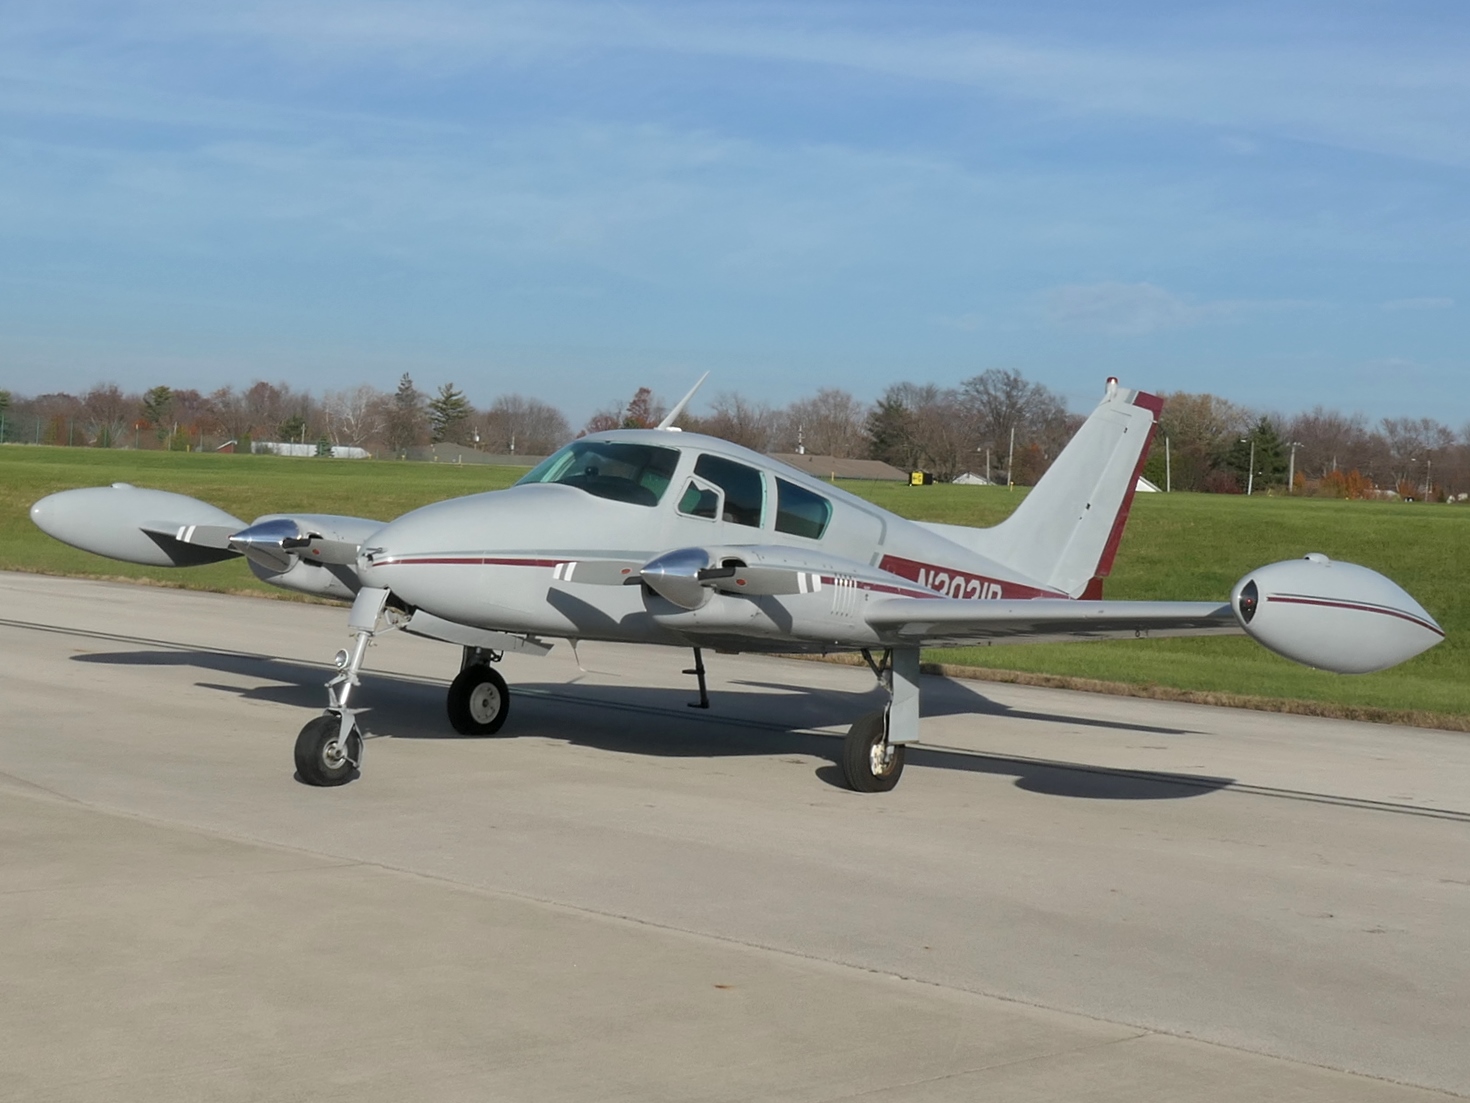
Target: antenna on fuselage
668	422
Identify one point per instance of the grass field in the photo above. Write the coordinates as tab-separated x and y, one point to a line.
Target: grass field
1177	546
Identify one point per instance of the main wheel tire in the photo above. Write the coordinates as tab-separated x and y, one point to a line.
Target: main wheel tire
318	761
870	764
478	701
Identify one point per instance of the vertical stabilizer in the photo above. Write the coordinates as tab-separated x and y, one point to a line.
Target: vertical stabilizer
1066	533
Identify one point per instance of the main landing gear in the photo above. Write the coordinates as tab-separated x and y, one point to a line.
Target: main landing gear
873	751
479	700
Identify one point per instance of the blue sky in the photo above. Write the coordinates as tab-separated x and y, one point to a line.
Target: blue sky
1267	201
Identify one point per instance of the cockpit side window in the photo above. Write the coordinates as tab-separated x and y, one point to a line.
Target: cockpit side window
700	501
636	473
745	490
800	512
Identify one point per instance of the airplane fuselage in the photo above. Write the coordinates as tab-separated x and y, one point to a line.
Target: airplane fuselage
515	560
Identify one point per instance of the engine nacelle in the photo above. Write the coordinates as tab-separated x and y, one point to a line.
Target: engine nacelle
1333	616
134	524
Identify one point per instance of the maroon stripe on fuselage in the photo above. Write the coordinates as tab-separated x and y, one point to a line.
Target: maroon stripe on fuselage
957	583
1356	606
465	560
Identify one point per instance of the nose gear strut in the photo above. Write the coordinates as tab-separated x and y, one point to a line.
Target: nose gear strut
329	748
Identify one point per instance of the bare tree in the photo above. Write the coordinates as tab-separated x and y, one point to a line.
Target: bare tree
353	416
526	426
1327	441
107	414
1200	430
735	418
830	423
1412	445
999	403
922	426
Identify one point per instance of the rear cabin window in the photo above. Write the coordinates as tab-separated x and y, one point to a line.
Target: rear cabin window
636	473
745	490
800	512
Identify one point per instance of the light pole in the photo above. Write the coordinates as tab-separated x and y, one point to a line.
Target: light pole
1168	469
1250	476
1291	468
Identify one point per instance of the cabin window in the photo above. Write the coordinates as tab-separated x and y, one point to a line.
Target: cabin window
745	490
700	501
635	473
800	512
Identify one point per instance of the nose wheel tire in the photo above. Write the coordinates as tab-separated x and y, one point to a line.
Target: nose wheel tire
871	764
478	701
319	761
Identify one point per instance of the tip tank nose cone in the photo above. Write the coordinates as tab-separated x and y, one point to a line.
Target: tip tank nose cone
1333	615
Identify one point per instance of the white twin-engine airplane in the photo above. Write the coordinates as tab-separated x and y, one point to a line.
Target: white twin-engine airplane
656	536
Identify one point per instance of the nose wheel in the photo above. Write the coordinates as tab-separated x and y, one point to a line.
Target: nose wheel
478	701
327	755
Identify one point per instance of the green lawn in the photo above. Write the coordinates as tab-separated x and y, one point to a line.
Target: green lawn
1177	546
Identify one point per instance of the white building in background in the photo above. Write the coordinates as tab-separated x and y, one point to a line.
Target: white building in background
281	448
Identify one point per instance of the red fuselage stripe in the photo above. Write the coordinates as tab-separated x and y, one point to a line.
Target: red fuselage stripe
989	588
1359	607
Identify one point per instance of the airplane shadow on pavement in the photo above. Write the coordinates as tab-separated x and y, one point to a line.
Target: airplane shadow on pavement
655	721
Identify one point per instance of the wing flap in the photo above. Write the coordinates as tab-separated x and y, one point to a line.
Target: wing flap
946	622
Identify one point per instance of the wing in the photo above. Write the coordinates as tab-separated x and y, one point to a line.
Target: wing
948	622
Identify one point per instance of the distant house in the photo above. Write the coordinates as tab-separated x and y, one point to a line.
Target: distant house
971	479
832	467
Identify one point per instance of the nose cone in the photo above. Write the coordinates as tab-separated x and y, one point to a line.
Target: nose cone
422	556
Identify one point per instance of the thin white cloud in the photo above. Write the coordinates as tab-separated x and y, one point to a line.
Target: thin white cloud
1387	95
1427	303
1135	309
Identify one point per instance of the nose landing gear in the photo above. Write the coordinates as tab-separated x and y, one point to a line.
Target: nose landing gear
329	748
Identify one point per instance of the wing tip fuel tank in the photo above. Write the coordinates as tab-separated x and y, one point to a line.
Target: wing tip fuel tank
115	521
1332	615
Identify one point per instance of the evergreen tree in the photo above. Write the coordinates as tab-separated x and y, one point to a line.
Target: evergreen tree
407	422
891	433
1264	442
449	414
293	429
158	406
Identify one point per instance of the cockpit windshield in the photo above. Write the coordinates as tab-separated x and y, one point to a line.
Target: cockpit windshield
636	473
